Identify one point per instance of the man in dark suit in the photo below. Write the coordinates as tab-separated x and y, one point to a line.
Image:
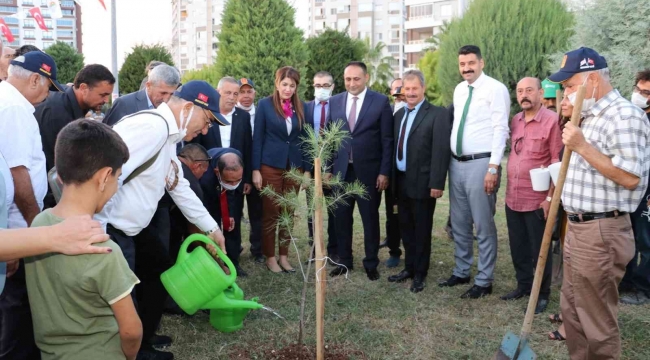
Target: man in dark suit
161	84
366	157
422	155
236	136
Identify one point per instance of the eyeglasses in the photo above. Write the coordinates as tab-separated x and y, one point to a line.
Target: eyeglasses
319	86
209	118
645	93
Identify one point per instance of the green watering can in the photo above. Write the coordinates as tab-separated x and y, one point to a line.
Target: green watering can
197	279
228	309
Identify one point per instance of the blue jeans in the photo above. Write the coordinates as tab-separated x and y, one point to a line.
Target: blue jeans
637	273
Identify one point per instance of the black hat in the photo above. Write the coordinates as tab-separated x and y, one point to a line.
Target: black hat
40	63
577	61
204	96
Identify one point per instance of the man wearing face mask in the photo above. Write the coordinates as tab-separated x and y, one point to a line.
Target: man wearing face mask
224	175
92	87
636	281
152	168
606	180
320	109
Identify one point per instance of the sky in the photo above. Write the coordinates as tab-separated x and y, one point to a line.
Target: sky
138	22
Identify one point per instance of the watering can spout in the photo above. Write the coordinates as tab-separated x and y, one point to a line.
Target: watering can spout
223	302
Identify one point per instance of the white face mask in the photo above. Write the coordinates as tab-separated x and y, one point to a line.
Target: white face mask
639	100
185	122
228	186
322	94
249	108
586	103
398	106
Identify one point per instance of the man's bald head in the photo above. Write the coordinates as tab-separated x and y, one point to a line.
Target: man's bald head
530	93
230	168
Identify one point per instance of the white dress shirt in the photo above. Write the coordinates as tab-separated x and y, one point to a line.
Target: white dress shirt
225	131
486	126
252	113
20	144
9	187
348	104
135	203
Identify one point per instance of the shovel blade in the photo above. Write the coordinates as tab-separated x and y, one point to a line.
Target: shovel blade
509	349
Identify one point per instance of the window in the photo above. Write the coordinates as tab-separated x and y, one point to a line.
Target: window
67	12
7	1
64	33
64	22
11	21
420	11
29	34
365	22
15	31
394	6
379	23
343	9
365	7
28	23
200	35
183	49
394	20
25	2
48	24
71	43
394	34
333	11
445	10
46	34
379	8
342	24
379	36
393	48
9	9
30	43
67	3
45	12
184	38
47	44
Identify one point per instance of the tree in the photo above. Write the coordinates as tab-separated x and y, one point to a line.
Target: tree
428	64
619	30
68	61
133	69
515	36
331	51
258	37
206	73
379	66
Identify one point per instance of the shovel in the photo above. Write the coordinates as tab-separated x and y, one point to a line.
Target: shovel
515	347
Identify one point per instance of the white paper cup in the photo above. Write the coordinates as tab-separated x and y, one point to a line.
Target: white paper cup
554	169
541	179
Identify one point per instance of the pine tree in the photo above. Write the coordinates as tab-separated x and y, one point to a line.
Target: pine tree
68	61
620	31
258	37
331	51
133	69
515	36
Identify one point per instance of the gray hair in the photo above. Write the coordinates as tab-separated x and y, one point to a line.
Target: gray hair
227	79
193	152
229	162
603	73
166	74
408	75
19	72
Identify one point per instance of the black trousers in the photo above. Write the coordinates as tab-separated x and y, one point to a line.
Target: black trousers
393	235
369	209
233	238
152	259
526	230
16	330
416	223
254	201
332	244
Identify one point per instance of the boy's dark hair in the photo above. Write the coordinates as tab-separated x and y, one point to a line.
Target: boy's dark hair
25	49
643	75
92	75
84	147
360	64
470	49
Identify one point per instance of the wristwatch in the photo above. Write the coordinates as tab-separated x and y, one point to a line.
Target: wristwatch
492	171
211	231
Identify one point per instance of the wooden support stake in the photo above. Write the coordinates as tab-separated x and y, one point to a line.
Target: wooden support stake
320	270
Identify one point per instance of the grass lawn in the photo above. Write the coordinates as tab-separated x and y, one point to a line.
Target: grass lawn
383	320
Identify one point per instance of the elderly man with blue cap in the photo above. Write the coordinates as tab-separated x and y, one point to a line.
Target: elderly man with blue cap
152	169
606	180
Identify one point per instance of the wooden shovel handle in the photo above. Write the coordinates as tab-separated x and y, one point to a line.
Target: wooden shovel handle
550	223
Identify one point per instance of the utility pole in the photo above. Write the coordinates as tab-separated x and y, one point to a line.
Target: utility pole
116	87
401	39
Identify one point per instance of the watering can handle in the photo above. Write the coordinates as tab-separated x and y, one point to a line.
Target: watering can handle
183	254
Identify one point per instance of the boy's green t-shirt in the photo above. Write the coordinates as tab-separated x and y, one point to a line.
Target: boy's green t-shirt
71	299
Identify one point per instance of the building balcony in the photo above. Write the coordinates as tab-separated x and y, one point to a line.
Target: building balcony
416	46
423	22
419	2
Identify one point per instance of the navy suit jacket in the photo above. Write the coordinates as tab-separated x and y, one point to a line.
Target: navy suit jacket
272	146
212	188
371	142
309	114
127	105
240	139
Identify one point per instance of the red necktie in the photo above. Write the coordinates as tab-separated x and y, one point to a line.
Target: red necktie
225	214
322	115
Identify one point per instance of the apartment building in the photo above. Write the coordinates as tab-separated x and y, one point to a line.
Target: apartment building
26	32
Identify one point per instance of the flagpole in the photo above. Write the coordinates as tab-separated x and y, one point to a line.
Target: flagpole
116	88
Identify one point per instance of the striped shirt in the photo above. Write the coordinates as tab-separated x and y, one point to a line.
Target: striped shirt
620	130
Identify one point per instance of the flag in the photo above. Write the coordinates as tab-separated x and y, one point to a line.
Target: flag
36	13
5	31
55	8
80	3
102	2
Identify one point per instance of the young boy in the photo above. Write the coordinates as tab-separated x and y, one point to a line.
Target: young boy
81	305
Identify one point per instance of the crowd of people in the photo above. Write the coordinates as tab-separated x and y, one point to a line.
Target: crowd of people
171	160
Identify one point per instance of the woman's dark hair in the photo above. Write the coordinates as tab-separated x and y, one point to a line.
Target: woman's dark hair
293	74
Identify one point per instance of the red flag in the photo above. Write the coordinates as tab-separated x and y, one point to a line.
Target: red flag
102	2
6	32
36	13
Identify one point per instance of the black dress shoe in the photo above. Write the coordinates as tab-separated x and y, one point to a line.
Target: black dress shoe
477	292
518	293
333	260
453	281
401	277
149	353
541	306
339	270
160	341
384	243
259	259
373	274
418	284
241	272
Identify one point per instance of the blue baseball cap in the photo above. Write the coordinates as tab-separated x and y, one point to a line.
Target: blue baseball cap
40	63
577	61
204	96
246	81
